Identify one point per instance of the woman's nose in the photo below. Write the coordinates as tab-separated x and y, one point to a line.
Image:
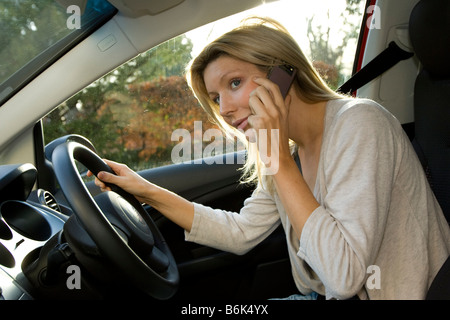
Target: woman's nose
226	106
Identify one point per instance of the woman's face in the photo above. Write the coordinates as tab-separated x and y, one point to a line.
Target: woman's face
229	82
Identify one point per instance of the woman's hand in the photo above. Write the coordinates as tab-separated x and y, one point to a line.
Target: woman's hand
124	178
174	207
270	122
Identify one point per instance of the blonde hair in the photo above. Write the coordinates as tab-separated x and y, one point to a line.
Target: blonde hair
265	43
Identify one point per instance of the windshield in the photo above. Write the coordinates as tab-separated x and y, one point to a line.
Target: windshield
35	33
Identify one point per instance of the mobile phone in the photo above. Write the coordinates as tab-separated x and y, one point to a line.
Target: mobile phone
283	76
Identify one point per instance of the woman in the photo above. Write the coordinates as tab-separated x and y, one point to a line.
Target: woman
348	188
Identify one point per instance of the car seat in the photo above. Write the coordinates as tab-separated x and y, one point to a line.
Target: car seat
429	29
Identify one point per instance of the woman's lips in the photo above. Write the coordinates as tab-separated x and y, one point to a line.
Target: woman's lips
240	124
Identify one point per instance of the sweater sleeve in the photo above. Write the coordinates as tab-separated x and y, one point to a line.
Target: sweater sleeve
235	232
342	236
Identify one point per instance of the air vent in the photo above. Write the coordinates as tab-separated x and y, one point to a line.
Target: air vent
46	198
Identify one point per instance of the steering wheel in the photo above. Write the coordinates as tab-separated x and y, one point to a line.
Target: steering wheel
136	247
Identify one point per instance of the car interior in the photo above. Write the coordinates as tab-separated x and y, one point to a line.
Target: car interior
62	238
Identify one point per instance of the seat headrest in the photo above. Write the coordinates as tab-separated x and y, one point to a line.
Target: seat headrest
429	29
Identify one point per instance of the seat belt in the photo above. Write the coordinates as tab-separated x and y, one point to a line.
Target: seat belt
381	63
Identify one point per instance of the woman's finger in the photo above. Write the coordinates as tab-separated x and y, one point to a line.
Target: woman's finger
272	97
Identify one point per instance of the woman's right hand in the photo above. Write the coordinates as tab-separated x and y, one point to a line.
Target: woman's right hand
124	178
174	207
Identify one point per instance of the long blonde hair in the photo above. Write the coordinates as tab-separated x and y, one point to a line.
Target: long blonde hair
265	43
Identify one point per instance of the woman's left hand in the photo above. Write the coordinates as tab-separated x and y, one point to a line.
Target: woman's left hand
270	122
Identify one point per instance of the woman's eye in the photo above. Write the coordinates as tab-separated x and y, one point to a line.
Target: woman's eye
216	100
235	83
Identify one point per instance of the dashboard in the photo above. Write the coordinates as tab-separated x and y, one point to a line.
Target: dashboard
28	220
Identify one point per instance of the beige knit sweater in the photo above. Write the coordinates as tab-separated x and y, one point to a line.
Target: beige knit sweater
379	231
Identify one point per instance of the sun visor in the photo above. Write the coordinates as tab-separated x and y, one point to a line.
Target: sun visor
137	8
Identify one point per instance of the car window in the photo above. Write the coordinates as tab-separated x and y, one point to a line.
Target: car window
144	114
35	33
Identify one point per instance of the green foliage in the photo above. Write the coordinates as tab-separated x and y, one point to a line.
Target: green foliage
130	113
28	28
326	55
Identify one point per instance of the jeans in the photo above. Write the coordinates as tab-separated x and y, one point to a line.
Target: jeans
311	296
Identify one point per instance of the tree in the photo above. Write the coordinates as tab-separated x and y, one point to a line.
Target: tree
28	28
146	117
326	55
130	113
165	60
